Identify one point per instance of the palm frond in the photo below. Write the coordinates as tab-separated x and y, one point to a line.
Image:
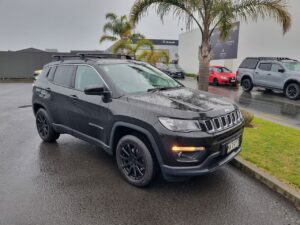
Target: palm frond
143	43
107	38
111	16
254	9
182	9
108	27
121	46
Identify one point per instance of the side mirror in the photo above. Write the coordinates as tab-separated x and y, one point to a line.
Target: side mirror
281	70
96	90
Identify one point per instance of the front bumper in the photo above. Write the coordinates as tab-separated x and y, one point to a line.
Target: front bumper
212	163
212	158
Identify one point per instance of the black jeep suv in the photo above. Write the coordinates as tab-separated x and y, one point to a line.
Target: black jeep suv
148	121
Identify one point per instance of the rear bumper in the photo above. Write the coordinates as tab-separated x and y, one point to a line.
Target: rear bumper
210	164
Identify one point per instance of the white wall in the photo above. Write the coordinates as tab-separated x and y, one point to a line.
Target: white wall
263	38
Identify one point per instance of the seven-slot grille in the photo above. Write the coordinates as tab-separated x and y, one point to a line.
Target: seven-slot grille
223	122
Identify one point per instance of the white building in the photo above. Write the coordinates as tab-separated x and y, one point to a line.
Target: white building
261	38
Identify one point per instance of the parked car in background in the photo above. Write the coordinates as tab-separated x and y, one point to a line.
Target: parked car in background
36	73
271	73
220	75
173	70
145	119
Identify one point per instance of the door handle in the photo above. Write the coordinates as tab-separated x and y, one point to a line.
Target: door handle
269	74
74	97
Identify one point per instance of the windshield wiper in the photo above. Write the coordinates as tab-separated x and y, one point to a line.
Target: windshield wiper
161	89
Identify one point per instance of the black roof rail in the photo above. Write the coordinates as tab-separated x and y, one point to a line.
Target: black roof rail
84	56
104	56
270	58
62	57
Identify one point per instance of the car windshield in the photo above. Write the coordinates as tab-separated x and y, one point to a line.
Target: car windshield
137	77
293	66
222	70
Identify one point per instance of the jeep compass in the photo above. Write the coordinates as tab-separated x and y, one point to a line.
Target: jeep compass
145	119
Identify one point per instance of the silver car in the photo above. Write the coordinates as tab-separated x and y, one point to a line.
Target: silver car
281	74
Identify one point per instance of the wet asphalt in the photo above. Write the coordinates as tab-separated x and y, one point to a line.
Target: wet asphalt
73	182
266	104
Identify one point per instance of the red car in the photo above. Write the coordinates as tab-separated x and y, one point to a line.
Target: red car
220	75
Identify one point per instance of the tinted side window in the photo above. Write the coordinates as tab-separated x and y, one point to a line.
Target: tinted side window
276	67
86	76
249	63
51	73
265	66
63	75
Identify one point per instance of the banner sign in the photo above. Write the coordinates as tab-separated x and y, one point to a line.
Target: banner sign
227	49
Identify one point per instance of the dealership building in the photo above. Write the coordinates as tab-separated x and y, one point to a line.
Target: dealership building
262	38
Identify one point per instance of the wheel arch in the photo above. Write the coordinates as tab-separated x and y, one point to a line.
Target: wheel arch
246	76
289	82
36	106
121	129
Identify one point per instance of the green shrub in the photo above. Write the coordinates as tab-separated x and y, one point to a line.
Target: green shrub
248	117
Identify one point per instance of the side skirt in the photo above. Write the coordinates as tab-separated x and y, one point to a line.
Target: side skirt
64	129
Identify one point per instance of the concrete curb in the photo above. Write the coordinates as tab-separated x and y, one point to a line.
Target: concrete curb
272	182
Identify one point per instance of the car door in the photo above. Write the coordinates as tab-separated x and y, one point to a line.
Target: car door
262	73
61	90
90	114
276	79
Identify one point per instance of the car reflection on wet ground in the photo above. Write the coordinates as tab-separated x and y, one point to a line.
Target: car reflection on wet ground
267	104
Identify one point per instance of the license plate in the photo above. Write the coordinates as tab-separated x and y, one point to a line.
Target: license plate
233	145
233	81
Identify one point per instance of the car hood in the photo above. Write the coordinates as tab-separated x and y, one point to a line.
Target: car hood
184	102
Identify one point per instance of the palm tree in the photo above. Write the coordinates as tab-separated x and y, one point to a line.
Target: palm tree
154	57
120	30
208	15
116	28
130	48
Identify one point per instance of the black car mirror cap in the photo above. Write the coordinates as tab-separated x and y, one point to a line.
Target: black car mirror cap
96	90
281	70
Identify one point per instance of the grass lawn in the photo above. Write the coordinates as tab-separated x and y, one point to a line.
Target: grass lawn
275	149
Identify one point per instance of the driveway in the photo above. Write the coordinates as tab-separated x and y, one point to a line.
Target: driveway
72	182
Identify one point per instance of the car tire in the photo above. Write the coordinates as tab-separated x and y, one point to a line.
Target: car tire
135	162
44	126
292	91
247	84
215	82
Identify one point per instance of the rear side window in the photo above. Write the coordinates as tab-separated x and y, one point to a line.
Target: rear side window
86	76
63	75
265	66
51	73
249	63
276	67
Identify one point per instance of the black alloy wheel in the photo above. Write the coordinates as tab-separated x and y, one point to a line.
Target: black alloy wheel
135	161
247	84
293	91
44	127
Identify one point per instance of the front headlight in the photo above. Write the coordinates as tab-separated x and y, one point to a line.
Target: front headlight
180	125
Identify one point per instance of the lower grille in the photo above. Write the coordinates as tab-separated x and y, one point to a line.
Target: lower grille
221	123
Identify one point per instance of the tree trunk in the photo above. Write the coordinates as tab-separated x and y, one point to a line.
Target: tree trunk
204	61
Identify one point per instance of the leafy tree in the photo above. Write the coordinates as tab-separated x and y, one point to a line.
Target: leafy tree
119	30
207	15
153	57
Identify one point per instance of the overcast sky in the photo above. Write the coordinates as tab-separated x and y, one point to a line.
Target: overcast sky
69	24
